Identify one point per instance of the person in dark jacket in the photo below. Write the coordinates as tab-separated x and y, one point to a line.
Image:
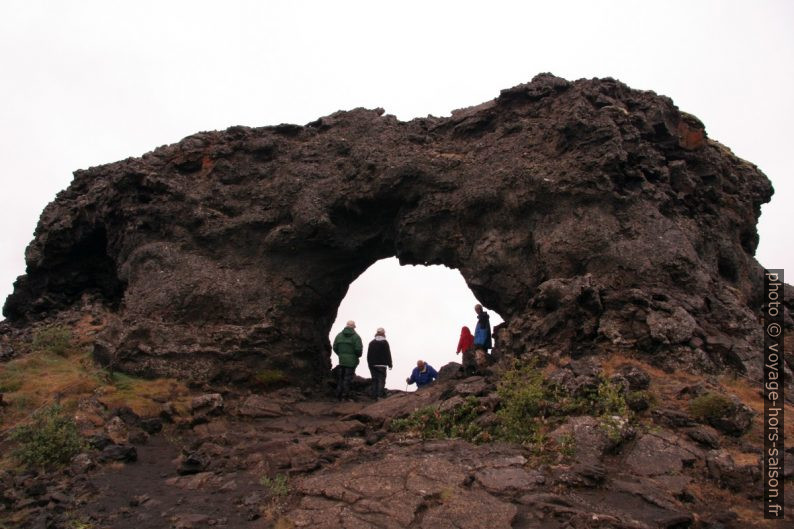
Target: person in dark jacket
466	347
482	332
423	374
378	359
348	347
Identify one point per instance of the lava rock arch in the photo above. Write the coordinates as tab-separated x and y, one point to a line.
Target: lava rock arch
591	216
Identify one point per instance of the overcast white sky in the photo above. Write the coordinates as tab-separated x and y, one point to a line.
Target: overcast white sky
90	82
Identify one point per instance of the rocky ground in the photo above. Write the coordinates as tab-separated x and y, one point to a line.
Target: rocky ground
290	458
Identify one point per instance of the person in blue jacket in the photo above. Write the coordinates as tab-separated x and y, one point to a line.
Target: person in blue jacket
482	332
423	374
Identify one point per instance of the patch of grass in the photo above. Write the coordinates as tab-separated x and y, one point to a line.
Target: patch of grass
51	439
10	380
80	524
277	486
567	445
278	489
55	339
22	403
446	494
284	523
710	406
122	381
271	378
40	377
143	396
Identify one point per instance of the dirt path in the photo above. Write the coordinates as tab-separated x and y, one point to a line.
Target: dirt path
221	485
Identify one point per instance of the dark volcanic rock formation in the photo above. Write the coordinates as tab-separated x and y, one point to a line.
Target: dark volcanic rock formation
589	215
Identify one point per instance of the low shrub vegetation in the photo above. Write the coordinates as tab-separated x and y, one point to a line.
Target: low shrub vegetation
50	440
55	339
609	400
641	400
432	423
529	407
710	406
277	486
524	397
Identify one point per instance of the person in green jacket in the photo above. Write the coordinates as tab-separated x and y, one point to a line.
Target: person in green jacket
348	347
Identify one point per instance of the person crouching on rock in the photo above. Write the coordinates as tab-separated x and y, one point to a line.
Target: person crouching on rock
378	359
348	347
423	374
466	347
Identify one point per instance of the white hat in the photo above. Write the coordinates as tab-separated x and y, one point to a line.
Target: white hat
351	324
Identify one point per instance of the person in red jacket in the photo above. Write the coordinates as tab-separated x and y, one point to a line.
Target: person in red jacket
466	347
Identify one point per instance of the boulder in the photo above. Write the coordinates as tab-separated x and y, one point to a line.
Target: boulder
737	421
259	406
589	438
671	328
473	386
192	463
81	463
208	404
449	371
705	436
117	431
400	405
129	417
635	378
509	480
722	468
653	455
123	453
151	425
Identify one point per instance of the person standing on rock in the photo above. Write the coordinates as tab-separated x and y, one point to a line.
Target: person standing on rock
378	359
348	347
482	332
466	347
482	338
423	374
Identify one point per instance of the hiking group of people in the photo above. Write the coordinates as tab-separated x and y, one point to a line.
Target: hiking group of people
349	348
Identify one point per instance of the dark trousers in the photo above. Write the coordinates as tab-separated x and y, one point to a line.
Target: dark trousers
344	377
469	364
378	381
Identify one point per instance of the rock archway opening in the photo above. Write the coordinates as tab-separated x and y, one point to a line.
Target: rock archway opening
422	309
